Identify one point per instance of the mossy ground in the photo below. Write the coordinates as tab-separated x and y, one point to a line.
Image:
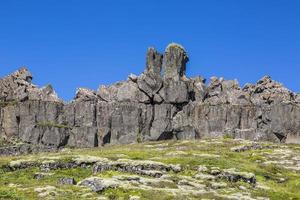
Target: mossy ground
278	181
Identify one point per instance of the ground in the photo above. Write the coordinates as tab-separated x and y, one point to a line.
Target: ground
200	169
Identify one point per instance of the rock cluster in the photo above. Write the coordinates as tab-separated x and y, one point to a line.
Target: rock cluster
161	103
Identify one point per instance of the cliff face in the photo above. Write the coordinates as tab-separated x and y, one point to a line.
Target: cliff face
161	103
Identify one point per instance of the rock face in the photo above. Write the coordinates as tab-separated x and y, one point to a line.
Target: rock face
161	103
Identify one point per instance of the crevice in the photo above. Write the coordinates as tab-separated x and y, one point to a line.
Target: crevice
96	142
240	119
166	136
280	136
152	117
107	138
18	119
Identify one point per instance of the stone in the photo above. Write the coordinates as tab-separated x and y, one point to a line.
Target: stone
97	184
85	94
67	181
161	103
174	92
234	176
174	62
150	81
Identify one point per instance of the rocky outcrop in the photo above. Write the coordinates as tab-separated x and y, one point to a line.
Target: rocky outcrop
161	103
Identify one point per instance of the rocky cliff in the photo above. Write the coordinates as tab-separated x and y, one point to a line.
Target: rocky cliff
162	103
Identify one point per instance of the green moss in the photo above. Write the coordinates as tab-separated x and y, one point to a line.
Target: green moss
11	194
248	161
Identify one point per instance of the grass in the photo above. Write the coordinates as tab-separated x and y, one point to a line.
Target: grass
186	153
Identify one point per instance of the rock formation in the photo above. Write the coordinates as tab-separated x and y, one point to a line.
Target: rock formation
161	103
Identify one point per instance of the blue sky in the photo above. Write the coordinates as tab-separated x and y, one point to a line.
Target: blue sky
81	43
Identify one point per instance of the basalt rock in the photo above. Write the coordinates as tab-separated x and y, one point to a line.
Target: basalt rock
162	103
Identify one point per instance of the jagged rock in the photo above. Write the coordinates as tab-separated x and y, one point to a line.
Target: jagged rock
133	78
18	87
123	92
129	92
174	62
222	91
297	98
85	94
197	89
150	82
174	92
268	91
161	103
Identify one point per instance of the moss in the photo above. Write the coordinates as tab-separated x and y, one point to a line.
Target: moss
267	175
11	194
52	124
172	45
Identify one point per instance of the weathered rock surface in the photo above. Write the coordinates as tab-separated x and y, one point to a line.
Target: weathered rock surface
161	103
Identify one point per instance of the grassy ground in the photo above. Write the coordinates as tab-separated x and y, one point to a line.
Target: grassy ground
277	171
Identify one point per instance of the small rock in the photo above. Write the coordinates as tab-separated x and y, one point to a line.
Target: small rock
134	198
202	168
205	177
234	176
38	176
242	187
133	77
218	185
67	181
98	185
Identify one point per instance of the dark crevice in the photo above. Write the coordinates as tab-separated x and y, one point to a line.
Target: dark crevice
240	119
166	136
107	138
18	119
96	142
192	96
280	136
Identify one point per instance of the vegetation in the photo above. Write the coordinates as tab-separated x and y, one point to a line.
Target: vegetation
277	177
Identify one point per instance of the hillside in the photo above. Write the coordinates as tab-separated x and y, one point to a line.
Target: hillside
188	169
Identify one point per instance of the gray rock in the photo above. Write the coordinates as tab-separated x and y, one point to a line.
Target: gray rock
174	92
161	103
98	185
174	62
150	81
234	176
67	181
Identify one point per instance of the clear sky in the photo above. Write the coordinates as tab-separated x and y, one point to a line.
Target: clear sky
86	43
